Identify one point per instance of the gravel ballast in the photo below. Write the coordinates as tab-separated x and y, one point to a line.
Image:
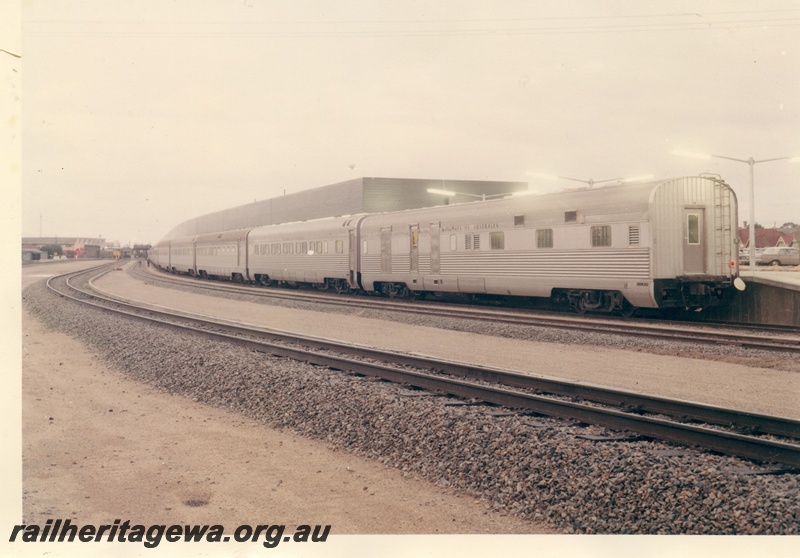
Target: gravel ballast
532	467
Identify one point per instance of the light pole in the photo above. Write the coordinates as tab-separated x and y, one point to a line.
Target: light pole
751	163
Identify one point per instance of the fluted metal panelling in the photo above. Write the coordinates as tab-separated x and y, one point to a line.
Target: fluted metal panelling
627	264
623	264
667	207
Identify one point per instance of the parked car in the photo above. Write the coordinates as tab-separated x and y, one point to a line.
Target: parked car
744	257
780	256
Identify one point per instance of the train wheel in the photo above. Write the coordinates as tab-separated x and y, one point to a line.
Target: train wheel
341	286
627	310
390	290
403	292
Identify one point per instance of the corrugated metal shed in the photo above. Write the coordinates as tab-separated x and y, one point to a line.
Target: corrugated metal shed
361	195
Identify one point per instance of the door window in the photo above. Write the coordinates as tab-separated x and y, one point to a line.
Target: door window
693	228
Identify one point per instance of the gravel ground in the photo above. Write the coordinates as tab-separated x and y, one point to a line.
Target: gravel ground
533	468
717	352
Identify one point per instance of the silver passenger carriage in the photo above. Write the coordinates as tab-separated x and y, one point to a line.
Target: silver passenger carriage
159	254
663	244
222	255
181	256
316	252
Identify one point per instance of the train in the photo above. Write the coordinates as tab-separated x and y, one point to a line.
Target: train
667	244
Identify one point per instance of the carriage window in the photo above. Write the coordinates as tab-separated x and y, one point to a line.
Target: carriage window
339	247
364	247
570	216
693	228
304	249
318	247
498	240
472	241
519	220
453	243
601	235
325	247
544	238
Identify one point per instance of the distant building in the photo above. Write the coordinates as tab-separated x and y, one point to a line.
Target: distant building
361	195
71	245
140	250
32	254
766	238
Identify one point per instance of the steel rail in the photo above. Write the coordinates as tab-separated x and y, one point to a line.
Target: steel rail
755	423
563	322
725	442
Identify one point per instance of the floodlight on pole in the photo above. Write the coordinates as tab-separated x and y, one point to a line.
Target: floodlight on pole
591	182
751	163
448	193
482	197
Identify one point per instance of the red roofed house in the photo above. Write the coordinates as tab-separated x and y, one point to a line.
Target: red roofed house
765	238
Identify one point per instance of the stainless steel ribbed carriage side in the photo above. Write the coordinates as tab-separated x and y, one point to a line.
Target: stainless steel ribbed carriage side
222	255
159	254
458	247
317	251
181	255
606	240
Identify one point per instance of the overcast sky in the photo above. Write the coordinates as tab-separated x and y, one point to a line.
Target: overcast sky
138	115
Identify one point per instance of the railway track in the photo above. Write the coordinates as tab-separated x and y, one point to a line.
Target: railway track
753	436
768	338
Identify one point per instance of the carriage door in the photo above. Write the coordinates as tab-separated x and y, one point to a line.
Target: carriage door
386	249
435	237
353	254
694	243
414	241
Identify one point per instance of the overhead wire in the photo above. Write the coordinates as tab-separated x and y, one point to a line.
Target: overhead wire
444	27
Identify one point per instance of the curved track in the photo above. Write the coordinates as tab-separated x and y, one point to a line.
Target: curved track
763	338
759	437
